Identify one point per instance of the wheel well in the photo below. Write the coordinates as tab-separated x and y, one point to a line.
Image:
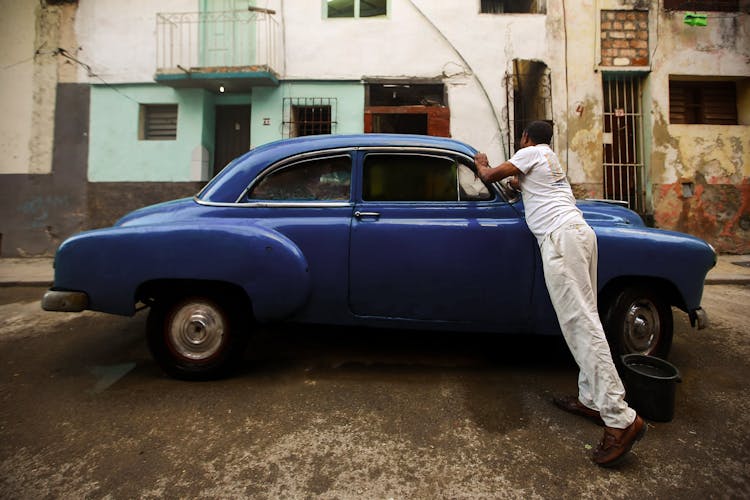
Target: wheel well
167	290
661	286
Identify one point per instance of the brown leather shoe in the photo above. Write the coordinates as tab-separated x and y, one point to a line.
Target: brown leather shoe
571	404
616	443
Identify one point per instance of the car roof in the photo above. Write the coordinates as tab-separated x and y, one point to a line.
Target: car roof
227	186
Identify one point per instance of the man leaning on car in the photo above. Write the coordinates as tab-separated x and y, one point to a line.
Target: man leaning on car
569	255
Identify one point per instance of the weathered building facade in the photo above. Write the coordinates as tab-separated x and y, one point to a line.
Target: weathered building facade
113	105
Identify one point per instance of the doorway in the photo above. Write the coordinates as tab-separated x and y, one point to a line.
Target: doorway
624	177
232	134
407	108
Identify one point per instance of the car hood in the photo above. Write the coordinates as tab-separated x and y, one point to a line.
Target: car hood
605	213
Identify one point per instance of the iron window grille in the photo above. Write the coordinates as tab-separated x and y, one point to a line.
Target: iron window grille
309	116
623	167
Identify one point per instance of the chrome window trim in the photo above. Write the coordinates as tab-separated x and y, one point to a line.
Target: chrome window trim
277	204
334	152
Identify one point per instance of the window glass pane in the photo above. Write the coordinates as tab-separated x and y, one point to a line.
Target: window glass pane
371	8
340	8
409	178
319	179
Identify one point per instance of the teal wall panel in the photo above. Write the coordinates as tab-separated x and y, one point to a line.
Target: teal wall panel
267	103
117	154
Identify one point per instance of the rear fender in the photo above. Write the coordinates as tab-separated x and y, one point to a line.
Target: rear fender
110	264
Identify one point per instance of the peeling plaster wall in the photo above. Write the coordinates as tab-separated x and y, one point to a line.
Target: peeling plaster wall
713	162
17	28
43	172
449	41
700	174
576	98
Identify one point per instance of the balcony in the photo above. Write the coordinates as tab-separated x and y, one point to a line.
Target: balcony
220	51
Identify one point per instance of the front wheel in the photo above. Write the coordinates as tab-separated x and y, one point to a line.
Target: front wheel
196	338
639	321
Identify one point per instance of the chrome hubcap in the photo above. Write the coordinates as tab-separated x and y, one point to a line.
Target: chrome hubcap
642	327
196	331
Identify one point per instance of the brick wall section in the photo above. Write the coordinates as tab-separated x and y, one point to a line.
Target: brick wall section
624	35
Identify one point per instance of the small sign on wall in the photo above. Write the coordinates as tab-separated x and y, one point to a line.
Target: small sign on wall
266	121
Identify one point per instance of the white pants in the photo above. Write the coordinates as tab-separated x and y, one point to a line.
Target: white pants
569	256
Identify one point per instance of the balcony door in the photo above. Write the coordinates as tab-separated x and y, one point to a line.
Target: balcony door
227	34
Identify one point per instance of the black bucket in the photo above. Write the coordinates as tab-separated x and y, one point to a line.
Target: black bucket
650	383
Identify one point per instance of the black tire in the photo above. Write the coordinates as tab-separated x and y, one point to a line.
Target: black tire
196	337
639	321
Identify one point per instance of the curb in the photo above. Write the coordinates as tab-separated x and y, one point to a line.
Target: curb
9	284
727	281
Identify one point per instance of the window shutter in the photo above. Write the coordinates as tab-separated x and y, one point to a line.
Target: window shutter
703	5
710	103
159	122
719	105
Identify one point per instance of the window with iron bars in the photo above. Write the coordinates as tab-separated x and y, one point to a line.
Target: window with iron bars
309	116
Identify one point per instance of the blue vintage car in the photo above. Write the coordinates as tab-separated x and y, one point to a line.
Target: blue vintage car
370	230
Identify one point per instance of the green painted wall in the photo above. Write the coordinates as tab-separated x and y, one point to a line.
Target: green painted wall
116	153
267	102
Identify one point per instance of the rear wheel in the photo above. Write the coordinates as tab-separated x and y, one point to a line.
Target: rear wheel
639	321
196	337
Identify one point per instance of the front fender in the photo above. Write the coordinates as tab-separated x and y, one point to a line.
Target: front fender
110	264
641	252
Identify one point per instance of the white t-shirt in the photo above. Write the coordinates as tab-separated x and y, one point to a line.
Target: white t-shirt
547	196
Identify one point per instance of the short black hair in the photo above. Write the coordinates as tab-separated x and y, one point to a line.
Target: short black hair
539	132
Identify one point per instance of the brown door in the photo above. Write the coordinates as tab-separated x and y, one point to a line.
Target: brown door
232	134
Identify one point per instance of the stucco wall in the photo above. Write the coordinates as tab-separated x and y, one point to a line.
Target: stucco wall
17	28
701	173
267	107
418	39
117	154
27	81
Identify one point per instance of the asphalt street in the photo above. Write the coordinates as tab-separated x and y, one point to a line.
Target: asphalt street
352	413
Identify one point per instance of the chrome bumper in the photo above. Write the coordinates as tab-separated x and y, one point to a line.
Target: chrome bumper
699	318
63	301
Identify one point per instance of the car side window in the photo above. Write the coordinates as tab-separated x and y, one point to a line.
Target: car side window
316	179
470	186
409	177
420	177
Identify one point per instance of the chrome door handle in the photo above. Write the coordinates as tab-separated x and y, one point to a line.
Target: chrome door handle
359	214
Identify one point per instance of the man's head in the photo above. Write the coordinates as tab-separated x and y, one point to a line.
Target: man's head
539	132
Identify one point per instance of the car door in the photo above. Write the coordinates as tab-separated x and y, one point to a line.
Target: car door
427	247
308	200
